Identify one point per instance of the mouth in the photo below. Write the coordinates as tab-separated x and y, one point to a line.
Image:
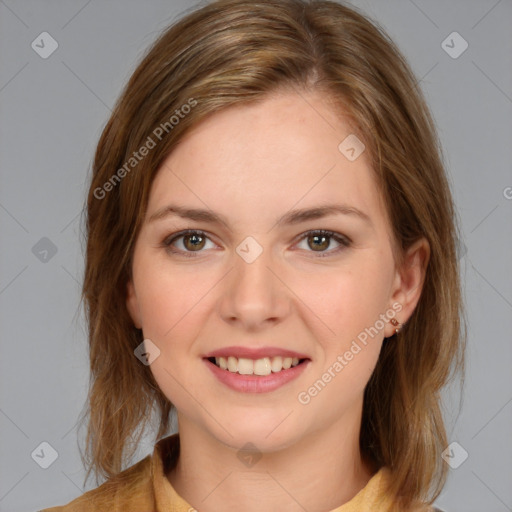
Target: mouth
258	367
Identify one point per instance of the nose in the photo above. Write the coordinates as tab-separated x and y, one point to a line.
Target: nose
254	295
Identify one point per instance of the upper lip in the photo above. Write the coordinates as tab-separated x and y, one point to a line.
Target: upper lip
254	353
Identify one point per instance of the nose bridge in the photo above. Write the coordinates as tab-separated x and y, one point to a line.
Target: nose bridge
253	274
253	295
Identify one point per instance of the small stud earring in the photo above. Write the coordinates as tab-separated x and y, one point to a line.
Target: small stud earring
395	322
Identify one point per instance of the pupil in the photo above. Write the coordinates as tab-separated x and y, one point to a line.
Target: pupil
324	239
195	240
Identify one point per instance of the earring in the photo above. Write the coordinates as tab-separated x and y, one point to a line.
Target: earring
395	322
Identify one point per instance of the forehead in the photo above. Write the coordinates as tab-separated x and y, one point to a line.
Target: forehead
266	158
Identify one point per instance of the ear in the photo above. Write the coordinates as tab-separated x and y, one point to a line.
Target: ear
132	304
408	283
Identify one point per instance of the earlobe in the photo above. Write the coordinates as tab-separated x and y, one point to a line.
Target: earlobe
410	281
132	305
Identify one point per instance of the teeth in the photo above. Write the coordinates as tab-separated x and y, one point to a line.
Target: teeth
264	366
232	364
277	364
245	366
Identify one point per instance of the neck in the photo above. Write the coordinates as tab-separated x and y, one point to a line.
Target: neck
322	471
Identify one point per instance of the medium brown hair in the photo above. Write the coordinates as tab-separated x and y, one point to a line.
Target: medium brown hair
233	52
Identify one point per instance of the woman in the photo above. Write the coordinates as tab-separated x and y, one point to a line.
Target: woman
271	253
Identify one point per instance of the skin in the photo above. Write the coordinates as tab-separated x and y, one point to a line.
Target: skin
252	164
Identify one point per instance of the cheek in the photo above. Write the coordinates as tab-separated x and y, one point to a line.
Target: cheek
348	300
172	315
169	299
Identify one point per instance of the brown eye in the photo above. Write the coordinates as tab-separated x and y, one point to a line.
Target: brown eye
190	243
324	243
318	242
187	243
193	242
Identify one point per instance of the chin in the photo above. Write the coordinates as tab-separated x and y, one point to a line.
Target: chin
266	436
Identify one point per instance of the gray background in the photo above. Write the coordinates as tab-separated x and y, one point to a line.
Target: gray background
52	113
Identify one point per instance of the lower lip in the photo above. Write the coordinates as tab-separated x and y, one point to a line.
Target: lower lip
256	383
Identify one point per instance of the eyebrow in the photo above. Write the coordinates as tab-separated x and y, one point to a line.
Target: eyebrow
290	218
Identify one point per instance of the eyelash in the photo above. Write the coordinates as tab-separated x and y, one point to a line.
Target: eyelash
344	241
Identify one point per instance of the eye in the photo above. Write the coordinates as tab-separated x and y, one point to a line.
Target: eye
191	240
194	241
319	240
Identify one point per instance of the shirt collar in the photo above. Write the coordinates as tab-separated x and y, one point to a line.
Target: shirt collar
166	451
165	455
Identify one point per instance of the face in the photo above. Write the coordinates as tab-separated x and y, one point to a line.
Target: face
254	279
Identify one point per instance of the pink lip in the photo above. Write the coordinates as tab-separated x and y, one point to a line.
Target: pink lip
254	353
255	383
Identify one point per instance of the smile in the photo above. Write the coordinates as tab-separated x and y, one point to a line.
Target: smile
263	366
261	375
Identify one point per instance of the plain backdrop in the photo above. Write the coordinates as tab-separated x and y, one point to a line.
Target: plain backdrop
52	111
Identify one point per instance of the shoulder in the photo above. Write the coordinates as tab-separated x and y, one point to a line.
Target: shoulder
129	490
380	483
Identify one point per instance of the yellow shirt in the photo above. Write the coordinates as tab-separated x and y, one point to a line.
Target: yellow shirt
144	487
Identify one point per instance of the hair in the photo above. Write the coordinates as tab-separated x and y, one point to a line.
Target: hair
232	52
